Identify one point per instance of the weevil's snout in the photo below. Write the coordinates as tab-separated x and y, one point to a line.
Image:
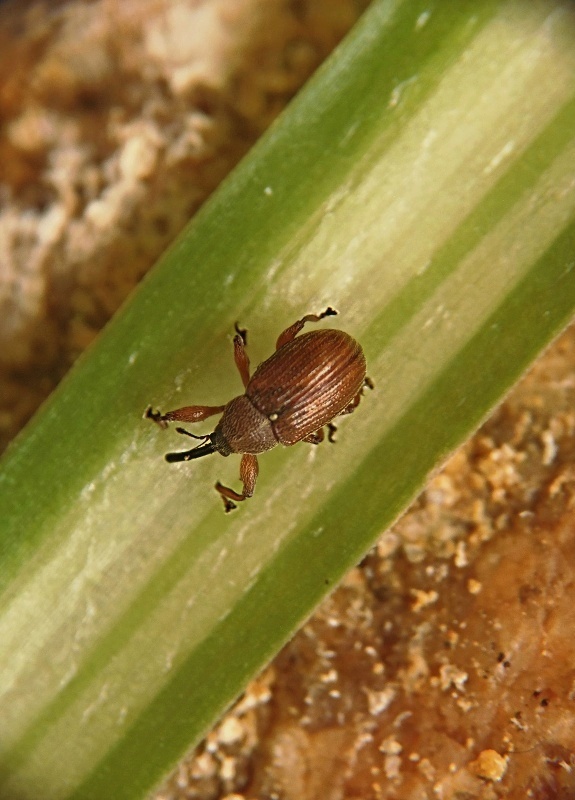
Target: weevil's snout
189	455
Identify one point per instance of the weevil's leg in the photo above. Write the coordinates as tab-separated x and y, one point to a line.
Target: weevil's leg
241	357
315	438
355	402
293	330
185	414
249	469
349	409
248	475
318	436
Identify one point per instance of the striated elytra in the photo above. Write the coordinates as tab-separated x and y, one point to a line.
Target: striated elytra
302	387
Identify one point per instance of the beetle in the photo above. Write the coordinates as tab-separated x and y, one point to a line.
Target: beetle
309	380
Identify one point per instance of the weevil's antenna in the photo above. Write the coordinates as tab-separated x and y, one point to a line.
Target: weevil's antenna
204	438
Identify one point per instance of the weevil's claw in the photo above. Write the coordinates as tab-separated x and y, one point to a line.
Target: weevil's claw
331	431
242	333
155	416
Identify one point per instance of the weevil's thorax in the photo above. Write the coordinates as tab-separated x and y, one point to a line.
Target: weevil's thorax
243	429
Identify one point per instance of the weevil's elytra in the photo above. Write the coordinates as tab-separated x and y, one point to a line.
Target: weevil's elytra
307	382
302	387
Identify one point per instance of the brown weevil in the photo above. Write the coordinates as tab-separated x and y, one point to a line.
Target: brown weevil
309	380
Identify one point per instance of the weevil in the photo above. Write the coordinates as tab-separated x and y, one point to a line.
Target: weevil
307	382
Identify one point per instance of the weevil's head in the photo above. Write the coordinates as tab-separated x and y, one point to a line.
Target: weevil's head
242	429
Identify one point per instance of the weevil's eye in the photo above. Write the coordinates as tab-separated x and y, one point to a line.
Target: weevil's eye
273	417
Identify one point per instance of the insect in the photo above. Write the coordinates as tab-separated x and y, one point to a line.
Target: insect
309	380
